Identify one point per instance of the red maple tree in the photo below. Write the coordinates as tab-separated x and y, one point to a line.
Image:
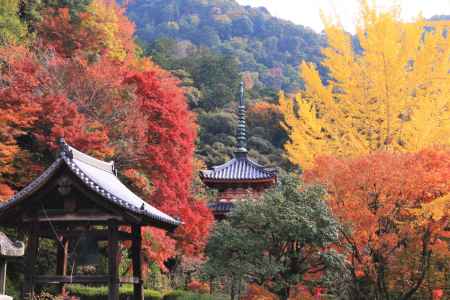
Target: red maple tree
82	80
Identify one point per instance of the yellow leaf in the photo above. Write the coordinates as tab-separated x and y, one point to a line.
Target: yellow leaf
393	94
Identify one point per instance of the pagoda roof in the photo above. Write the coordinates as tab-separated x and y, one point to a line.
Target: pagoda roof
240	168
98	176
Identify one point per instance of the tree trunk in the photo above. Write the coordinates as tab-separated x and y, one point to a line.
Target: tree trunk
283	294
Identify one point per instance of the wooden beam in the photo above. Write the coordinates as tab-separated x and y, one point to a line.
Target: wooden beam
30	262
129	279
138	287
14	211
73	217
65	279
3	265
100	235
61	261
113	268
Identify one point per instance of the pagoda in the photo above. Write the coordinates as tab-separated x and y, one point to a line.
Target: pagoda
239	178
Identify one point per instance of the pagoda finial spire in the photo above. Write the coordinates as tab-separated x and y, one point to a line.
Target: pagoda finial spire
242	126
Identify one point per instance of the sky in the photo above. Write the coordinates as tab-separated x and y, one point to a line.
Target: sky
307	12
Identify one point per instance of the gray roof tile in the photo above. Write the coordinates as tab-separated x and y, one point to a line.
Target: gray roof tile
239	168
221	207
101	178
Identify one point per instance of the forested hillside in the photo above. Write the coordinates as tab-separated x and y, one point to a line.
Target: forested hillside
211	84
268	49
211	46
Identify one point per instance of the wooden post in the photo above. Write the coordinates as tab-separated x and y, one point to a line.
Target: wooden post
3	264
113	251
138	288
61	263
211	286
30	261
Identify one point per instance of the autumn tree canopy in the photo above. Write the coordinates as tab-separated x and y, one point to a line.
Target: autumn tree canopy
80	75
388	90
393	247
376	134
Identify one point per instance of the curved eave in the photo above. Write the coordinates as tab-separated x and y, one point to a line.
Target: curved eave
153	219
271	180
35	185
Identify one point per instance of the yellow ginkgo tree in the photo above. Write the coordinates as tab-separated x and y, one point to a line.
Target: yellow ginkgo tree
389	89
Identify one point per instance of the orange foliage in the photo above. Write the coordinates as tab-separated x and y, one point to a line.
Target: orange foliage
18	105
58	32
268	116
157	246
257	292
301	292
264	111
5	192
101	30
139	181
198	287
64	120
375	195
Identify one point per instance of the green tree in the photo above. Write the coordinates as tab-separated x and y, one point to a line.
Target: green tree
280	241
31	11
12	29
160	51
217	76
211	83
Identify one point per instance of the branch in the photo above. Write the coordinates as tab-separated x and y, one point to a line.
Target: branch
424	262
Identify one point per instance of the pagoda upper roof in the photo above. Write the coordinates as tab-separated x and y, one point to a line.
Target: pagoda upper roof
240	168
99	177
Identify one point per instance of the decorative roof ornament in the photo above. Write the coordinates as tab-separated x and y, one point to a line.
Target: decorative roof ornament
64	149
241	135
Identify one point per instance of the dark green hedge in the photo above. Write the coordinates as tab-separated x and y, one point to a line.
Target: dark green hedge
184	295
101	293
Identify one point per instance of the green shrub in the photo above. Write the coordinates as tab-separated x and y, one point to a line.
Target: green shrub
184	295
101	293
